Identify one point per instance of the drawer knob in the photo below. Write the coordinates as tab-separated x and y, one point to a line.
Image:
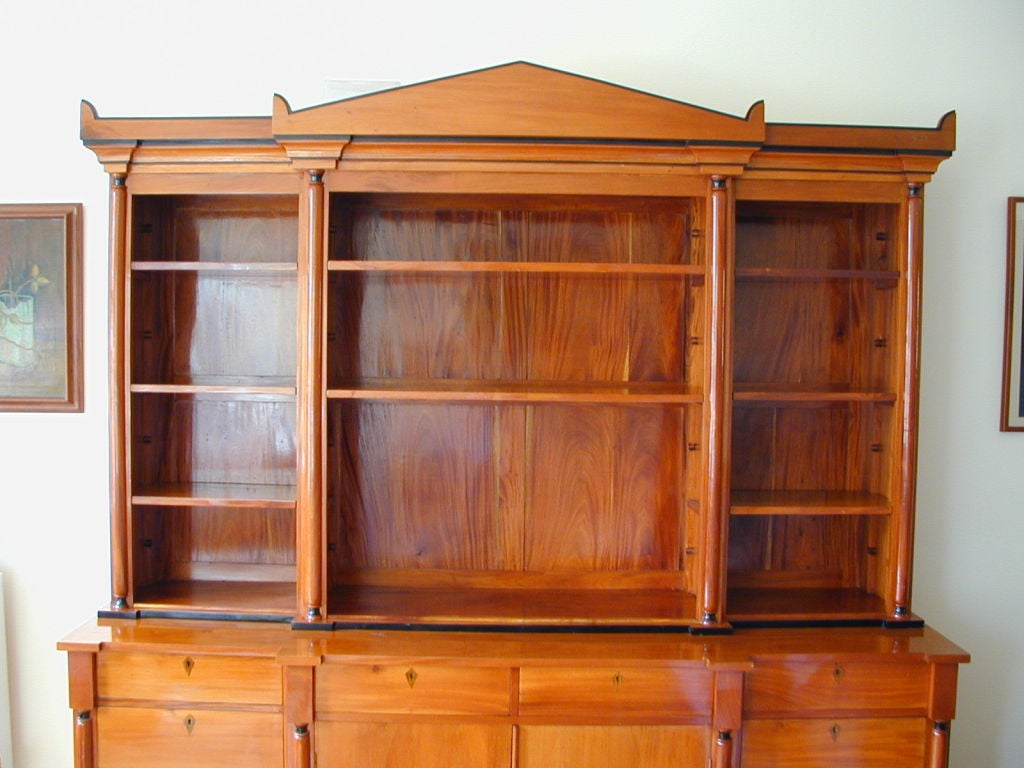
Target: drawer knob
410	677
189	664
190	723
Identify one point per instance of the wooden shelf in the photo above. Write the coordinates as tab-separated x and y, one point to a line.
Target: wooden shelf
257	598
776	273
803	605
216	495
451	390
222	385
808	503
780	392
375	605
215	266
599	269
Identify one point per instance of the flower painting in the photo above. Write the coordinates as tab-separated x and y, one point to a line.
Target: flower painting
40	334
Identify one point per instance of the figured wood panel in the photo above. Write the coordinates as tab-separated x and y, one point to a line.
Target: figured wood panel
196	438
601	692
798	333
604	488
215	228
838	685
866	743
413	688
418	486
189	677
795	235
417	326
212	542
629	746
407	233
161	738
204	325
405	744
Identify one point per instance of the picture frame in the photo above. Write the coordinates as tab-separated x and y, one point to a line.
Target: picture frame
1012	410
41	307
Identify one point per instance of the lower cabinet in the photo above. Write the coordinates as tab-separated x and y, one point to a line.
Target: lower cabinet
384	744
146	694
613	746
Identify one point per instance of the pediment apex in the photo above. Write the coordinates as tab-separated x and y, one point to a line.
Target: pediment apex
519	100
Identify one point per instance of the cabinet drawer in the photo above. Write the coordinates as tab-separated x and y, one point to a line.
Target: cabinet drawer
865	743
189	677
863	686
413	745
610	692
162	738
413	688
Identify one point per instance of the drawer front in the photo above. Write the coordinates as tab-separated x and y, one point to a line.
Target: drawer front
189	678
609	692
412	744
865	743
161	738
864	686
413	688
630	746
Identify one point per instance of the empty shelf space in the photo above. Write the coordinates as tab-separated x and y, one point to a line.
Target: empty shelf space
769	605
257	598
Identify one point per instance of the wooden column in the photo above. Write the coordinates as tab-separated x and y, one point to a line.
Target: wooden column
716	393
908	415
119	395
310	405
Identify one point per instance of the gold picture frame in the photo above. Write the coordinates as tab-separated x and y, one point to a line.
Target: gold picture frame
41	307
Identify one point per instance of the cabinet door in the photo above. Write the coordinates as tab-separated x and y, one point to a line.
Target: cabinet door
412	745
602	746
166	738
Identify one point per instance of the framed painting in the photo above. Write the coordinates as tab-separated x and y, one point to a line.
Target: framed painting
1012	418
41	307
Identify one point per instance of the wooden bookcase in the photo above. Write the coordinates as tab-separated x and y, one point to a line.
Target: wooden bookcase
513	351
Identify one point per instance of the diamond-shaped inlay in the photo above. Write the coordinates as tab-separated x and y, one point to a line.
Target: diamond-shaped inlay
190	723
189	664
410	677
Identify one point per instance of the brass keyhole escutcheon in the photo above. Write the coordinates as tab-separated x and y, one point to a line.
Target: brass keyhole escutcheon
834	731
617	680
410	677
837	674
189	664
190	723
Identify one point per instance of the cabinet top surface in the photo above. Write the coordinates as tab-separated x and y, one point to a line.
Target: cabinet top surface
739	650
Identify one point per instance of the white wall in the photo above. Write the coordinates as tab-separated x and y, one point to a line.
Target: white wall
855	61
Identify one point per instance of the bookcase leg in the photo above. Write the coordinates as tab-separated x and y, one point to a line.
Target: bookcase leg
938	745
83	740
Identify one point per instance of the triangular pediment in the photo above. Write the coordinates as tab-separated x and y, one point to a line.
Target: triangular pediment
519	100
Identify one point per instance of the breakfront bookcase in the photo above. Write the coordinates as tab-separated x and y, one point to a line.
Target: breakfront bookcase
512	419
